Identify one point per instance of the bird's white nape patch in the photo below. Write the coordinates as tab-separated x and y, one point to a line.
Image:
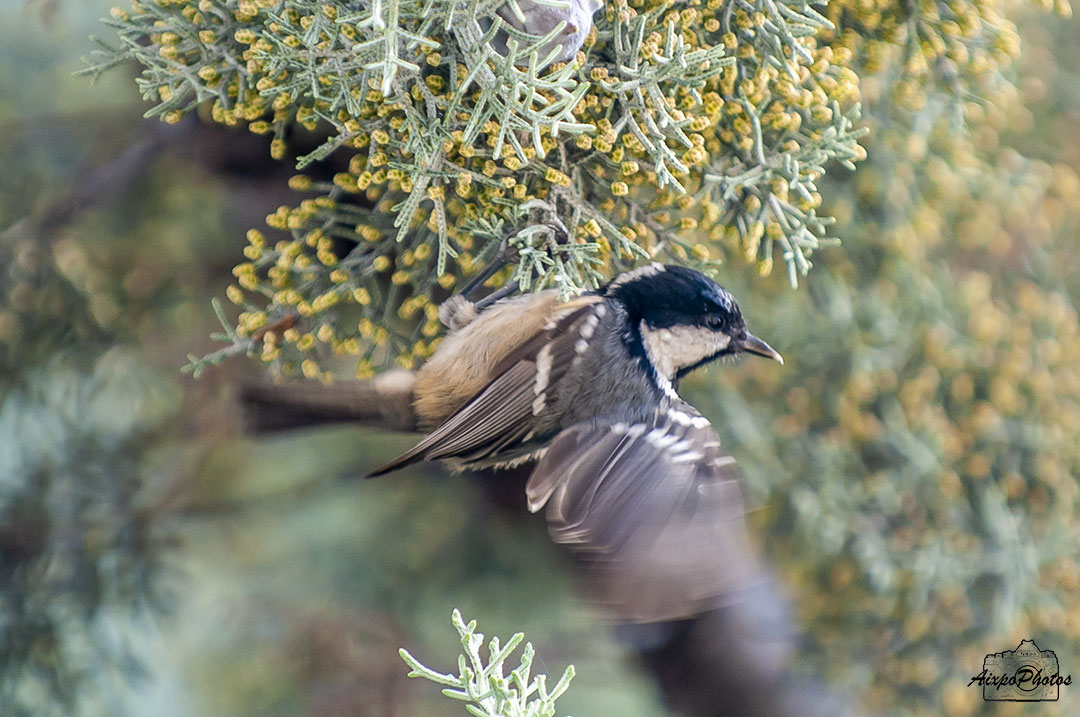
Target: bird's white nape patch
640	273
678	347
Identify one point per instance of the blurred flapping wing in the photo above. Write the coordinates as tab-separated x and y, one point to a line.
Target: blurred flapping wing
651	510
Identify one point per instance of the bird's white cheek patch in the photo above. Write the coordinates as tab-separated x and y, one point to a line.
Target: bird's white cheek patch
677	347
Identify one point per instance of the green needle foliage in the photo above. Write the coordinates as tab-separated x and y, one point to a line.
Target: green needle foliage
695	131
687	132
482	684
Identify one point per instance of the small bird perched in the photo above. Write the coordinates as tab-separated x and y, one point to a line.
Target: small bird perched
632	476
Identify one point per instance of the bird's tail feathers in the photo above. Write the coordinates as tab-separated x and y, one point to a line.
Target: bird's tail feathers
384	401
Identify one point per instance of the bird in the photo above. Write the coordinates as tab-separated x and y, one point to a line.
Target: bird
632	476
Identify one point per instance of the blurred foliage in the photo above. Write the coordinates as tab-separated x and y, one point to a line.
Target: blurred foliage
919	460
79	544
83	537
78	553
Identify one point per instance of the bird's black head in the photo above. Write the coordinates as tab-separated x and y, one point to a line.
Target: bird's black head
682	318
666	296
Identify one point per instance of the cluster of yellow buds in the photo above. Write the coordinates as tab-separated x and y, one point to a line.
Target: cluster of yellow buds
274	67
719	159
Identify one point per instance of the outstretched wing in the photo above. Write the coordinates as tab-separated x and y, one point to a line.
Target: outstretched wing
653	512
506	410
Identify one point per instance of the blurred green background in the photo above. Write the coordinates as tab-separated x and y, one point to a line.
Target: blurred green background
913	468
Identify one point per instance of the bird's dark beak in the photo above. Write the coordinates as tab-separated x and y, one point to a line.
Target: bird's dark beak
752	344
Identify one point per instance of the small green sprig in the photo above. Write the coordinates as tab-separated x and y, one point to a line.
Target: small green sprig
488	692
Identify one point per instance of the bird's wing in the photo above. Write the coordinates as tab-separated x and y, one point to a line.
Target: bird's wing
653	512
504	412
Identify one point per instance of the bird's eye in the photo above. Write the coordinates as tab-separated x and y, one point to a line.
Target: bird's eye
715	322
